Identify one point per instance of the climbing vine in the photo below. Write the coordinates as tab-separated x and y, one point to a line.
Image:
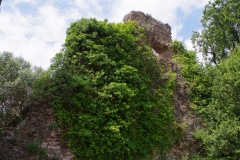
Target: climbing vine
108	92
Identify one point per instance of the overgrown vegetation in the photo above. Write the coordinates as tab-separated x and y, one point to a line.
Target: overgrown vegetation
34	147
221	136
215	96
112	100
215	89
108	92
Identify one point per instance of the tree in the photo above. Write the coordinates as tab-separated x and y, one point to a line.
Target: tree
17	80
221	30
108	92
220	136
215	96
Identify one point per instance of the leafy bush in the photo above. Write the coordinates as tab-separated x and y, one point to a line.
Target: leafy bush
108	93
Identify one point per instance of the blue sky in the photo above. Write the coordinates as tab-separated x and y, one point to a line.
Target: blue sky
36	29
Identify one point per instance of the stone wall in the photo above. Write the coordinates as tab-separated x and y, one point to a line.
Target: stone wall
186	118
159	38
40	125
158	33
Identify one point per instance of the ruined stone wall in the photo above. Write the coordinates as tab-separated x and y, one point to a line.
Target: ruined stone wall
40	125
158	33
159	38
186	118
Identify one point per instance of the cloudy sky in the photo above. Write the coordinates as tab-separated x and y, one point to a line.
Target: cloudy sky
36	29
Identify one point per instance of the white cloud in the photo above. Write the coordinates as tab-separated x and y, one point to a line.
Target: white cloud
189	5
26	1
39	36
91	8
189	45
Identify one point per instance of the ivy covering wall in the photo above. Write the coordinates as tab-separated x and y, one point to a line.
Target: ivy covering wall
107	88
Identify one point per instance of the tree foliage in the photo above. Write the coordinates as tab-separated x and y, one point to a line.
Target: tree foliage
218	41
221	30
215	92
220	137
108	93
17	80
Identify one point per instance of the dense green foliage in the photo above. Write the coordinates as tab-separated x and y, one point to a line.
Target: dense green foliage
215	92
17	80
220	38
221	29
108	93
221	135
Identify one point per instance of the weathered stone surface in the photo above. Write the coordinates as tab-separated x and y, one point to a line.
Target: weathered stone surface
159	38
40	124
158	33
186	118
